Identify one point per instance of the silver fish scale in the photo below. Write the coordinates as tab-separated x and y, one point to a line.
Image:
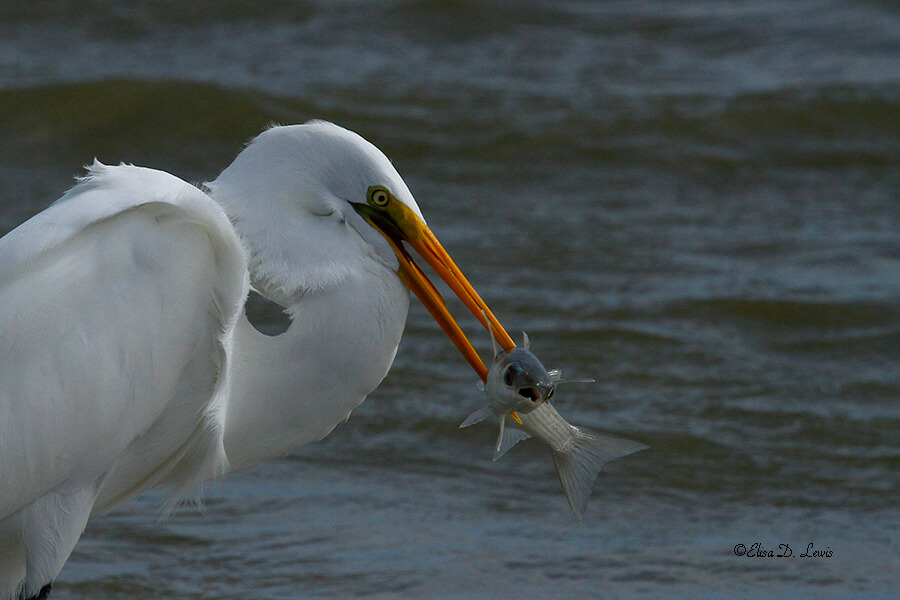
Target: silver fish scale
548	426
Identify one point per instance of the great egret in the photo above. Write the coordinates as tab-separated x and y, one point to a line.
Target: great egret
126	360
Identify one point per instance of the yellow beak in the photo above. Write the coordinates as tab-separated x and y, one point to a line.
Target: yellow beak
398	224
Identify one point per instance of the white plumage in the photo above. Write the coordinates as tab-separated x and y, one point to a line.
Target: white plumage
127	360
117	308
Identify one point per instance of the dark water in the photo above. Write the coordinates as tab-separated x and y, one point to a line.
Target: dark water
696	203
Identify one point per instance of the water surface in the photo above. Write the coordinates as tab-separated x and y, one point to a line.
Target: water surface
695	203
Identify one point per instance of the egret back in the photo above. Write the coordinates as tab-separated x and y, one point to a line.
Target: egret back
117	306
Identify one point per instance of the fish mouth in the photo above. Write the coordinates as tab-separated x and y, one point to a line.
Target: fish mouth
532	393
399	224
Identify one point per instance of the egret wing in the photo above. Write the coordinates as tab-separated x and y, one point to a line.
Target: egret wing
116	307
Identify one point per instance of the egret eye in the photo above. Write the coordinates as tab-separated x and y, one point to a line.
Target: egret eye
508	376
379	196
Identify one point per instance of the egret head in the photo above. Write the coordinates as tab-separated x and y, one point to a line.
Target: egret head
289	175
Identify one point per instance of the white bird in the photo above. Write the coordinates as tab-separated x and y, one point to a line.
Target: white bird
126	359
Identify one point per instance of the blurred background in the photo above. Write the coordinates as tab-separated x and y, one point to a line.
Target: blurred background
695	203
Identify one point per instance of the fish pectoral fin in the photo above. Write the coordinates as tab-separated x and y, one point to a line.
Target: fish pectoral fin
477	417
556	376
509	437
576	380
578	467
497	351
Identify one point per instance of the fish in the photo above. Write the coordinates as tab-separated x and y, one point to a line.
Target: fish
518	389
517	382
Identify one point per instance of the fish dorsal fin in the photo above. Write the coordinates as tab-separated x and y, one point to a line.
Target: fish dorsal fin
526	343
477	417
509	437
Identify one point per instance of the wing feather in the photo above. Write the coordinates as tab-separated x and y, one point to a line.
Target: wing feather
116	308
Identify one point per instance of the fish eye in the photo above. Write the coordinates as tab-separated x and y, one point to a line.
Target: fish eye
379	196
508	376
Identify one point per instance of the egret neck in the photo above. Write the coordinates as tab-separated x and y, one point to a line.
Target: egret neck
326	220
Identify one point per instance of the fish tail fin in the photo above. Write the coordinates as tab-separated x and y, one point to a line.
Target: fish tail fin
579	465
